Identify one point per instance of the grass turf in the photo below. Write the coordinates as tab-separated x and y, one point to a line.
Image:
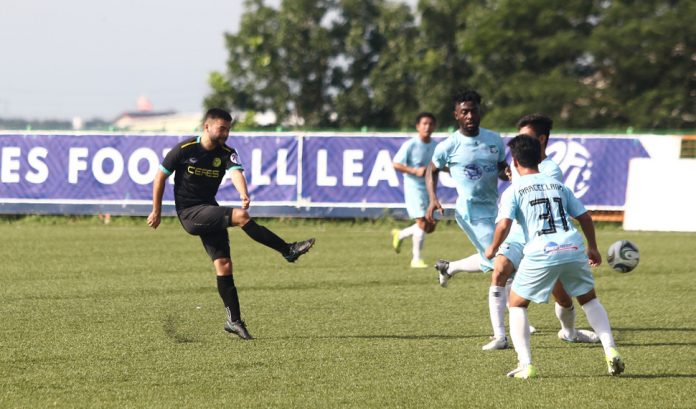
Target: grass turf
121	316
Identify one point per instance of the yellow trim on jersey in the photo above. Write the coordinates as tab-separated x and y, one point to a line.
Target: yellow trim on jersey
188	144
227	149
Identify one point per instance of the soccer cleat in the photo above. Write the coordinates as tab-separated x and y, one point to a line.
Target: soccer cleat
396	241
581	335
298	248
443	276
523	372
418	263
238	328
496	343
615	365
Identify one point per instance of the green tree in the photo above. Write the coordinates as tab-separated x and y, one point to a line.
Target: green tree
529	56
645	58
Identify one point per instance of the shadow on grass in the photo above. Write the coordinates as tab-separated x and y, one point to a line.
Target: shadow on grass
384	337
658	376
671	329
171	331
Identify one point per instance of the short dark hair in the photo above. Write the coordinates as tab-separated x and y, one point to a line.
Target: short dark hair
217	113
425	115
526	150
541	123
467	95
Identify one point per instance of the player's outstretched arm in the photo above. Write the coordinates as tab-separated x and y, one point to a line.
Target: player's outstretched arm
502	229
240	183
431	176
153	220
418	172
588	230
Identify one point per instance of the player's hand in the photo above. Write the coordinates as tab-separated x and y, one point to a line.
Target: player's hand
153	220
245	201
430	212
490	252
420	172
508	173
595	257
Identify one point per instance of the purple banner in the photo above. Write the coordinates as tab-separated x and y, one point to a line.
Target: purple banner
304	171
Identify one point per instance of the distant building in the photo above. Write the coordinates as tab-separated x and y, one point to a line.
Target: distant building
169	121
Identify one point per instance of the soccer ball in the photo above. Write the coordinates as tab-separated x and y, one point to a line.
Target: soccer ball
623	256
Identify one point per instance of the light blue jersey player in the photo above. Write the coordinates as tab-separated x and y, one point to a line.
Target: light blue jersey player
474	158
412	159
511	252
554	251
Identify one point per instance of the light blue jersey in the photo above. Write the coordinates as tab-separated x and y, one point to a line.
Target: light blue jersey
543	207
473	165
415	153
513	247
555	250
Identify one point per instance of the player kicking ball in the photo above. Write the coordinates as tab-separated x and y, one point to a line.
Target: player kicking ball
555	251
199	165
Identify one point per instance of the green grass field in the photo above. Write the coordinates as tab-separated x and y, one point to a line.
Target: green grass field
121	316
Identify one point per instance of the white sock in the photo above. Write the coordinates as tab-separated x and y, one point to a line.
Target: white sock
497	300
599	320
508	288
471	264
519	332
567	318
418	239
409	231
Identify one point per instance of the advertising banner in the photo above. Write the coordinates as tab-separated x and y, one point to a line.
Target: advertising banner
288	174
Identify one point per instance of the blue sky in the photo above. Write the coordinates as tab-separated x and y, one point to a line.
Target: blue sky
87	58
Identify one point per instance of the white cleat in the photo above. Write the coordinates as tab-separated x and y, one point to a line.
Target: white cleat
442	275
496	343
532	329
581	335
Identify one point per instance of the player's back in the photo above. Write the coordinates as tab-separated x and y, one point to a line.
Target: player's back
543	206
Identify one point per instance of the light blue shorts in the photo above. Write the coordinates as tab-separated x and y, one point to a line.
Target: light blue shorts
416	203
480	233
535	282
513	251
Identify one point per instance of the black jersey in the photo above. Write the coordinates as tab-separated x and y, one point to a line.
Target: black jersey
198	172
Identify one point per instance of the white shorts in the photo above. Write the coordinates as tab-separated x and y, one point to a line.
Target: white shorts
535	282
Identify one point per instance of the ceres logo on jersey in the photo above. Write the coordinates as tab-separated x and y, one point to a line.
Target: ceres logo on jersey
217	162
473	172
576	164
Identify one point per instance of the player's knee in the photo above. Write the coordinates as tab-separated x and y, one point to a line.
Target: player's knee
223	266
430	227
502	268
240	217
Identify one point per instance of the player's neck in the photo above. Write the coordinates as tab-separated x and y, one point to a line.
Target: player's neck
527	171
207	143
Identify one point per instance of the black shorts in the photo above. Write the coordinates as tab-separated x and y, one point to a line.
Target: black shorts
210	222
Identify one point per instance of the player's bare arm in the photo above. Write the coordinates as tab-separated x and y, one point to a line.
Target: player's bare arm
504	172
415	171
239	182
431	176
153	220
588	230
502	229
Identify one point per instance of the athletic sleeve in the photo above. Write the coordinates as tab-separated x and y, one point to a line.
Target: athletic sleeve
575	206
508	205
501	150
233	162
403	153
441	153
168	165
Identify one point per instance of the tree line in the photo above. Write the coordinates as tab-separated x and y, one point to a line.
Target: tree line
376	63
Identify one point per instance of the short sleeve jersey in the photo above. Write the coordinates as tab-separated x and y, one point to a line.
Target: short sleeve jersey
543	206
473	165
547	167
415	153
198	172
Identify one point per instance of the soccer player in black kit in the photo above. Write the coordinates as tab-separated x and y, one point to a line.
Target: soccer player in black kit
199	165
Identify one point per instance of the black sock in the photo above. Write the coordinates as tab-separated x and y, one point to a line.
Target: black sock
265	236
228	293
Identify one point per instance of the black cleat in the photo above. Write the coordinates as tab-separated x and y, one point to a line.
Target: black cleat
442	275
238	328
298	248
